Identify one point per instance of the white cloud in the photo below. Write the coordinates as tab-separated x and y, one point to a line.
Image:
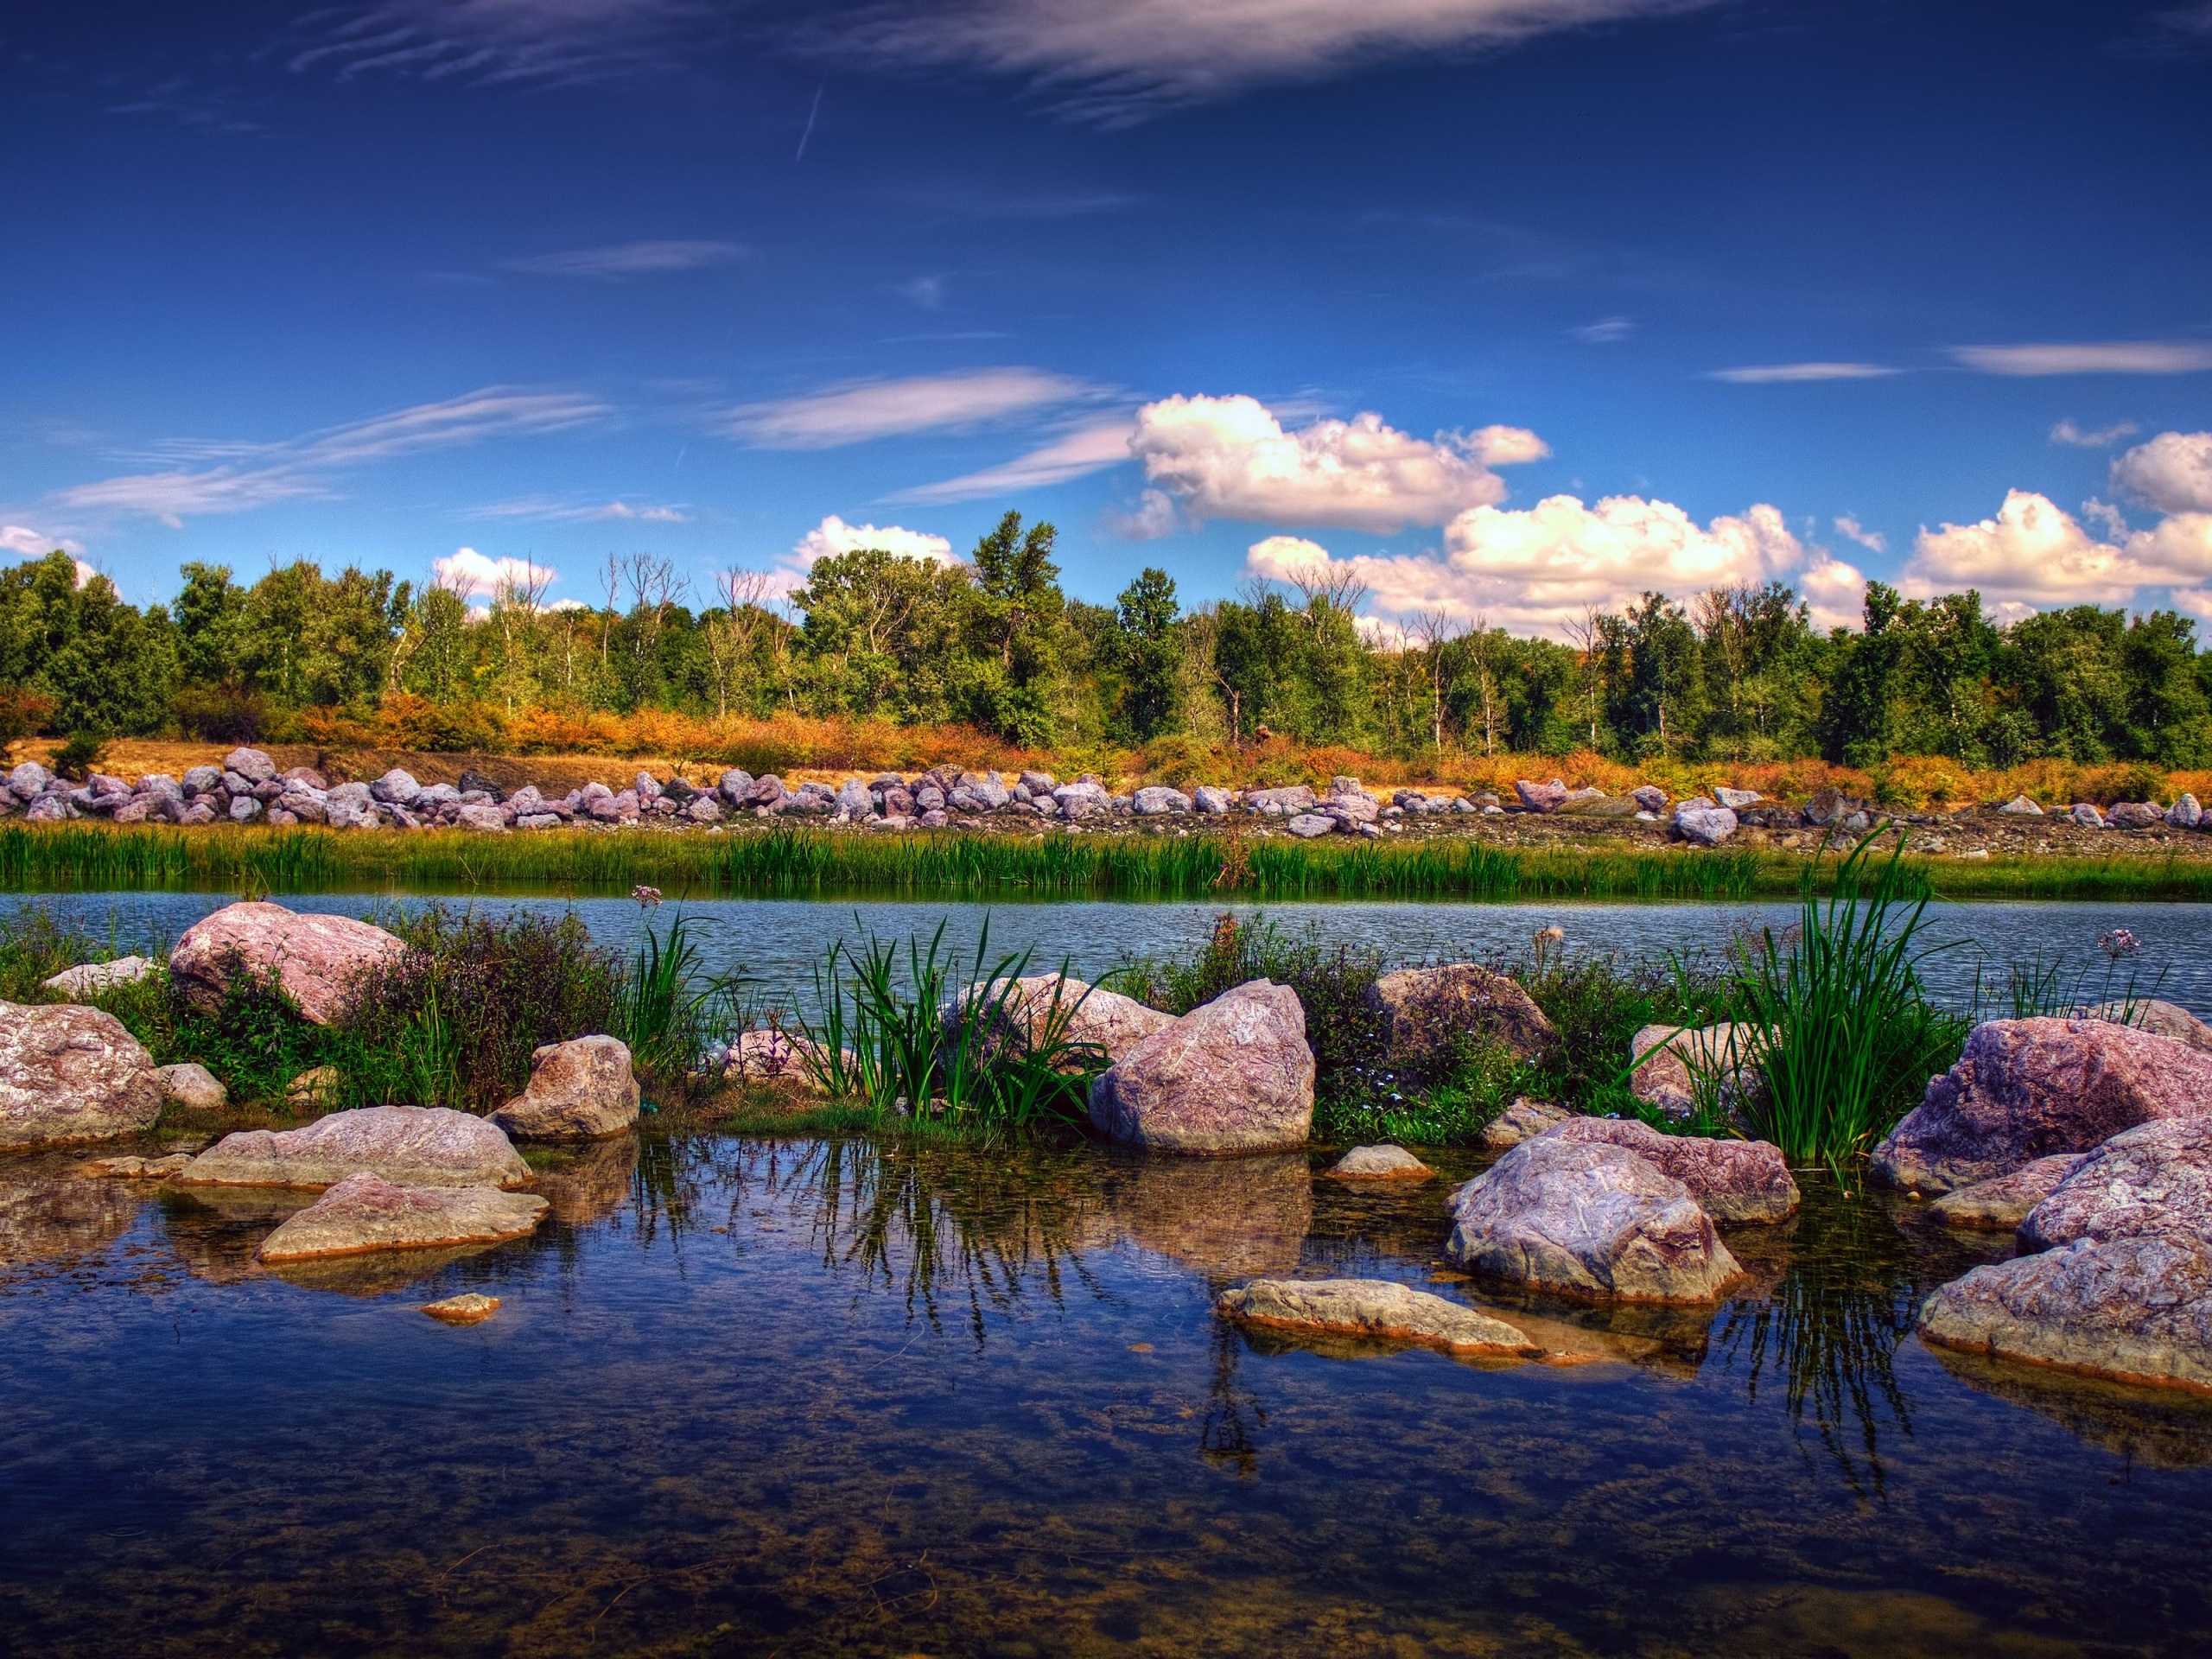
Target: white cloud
561	42
556	510
632	259
172	495
833	535
2104	437
466	571
1543	567
1231	458
1155	517
881	409
33	544
1087	449
1606	331
2171	472
1791	373
2034	554
2098	356
1851	529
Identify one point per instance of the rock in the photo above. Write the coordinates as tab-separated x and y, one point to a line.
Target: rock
29	780
1592	1219
1209	800
1076	800
2160	1019
1664	1056
1737	799
366	1213
244	810
481	816
1831	806
2087	814
134	1168
1540	797
1155	801
70	1073
2021	806
1038	783
2153	1181
774	1056
414	1146
853	802
88	979
470	1307
1703	823
1233	1075
2185	813
1426	1010
1649	797
396	788
1280	803
1376	1309
199	780
191	1086
1107	1020
2132	1309
318	1089
1306	825
1596	803
583	1089
253	764
1523	1119
2002	1202
2026	1089
702	809
2138	815
1737	1181
315	959
1380	1164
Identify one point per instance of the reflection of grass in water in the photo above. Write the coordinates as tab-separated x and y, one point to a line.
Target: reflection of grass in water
1830	1332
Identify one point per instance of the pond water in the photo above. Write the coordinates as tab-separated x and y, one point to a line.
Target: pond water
815	1396
781	942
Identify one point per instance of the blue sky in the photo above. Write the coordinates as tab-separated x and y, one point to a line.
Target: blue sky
1503	308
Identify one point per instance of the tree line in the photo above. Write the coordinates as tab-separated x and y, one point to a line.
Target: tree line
1738	673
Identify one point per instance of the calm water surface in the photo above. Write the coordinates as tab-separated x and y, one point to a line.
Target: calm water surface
812	1397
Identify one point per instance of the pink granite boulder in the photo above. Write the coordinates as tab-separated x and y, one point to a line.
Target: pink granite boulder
1233	1075
317	960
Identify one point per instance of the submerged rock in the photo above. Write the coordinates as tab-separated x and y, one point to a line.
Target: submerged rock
1235	1074
583	1089
316	960
139	1168
2001	1203
70	1073
366	1213
1592	1219
1426	1010
1376	1309
414	1146
1732	1180
470	1307
1381	1164
1523	1119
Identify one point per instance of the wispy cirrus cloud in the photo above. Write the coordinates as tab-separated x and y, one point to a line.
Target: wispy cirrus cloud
858	411
2090	357
632	259
1087	449
2103	437
557	42
551	509
1770	374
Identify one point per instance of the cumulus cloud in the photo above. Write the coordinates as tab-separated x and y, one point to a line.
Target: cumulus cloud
861	411
2102	437
2096	357
833	535
1851	529
1086	449
466	571
35	544
1232	458
2034	554
1154	516
1789	373
1542	568
632	259
2171	472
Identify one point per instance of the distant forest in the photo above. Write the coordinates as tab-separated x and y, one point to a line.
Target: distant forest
1735	674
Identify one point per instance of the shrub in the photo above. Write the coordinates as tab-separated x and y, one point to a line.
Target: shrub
76	757
228	713
23	713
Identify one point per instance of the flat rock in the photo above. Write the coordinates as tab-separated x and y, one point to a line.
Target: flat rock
136	1168
70	1073
1235	1074
1733	1180
414	1146
88	979
366	1213
1426	1010
1589	1218
470	1307
583	1089
315	959
1523	1119
2001	1203
1375	1309
2027	1088
2153	1181
1380	1164
193	1086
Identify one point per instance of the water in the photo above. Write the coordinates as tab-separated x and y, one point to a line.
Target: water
807	1397
781	941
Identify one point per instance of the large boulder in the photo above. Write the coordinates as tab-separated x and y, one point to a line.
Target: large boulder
2000	1204
1669	1060
410	1146
1540	797
1588	1218
2027	1088
193	1086
366	1213
1233	1075
89	979
1732	1180
2153	1181
1104	1019
69	1073
1426	1010
2159	1019
1703	823
583	1089
316	960
1373	1310
253	764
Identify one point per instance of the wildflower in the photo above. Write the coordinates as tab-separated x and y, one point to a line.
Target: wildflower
646	897
2118	943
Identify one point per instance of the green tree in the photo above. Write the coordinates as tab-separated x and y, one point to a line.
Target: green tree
1151	653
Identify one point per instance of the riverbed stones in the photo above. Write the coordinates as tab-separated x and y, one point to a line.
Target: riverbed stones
1234	1075
1523	1119
1373	1310
366	1213
1588	1218
193	1086
315	960
413	1145
470	1307
2154	1181
88	979
1381	1164
2000	1204
581	1090
1427	1011
1737	1181
69	1074
2027	1088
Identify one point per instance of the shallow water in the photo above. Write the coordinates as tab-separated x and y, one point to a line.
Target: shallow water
812	1397
781	942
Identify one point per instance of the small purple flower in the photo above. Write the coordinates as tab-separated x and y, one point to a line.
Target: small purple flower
2118	943
646	897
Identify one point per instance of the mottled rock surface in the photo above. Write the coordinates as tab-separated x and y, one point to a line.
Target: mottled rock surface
1523	1119
316	959
366	1213
2027	1088
1380	1164
1424	1010
70	1073
88	979
1107	1020
470	1307
583	1089
1233	1075
770	1056
413	1145
1592	1219
2154	1181
2001	1203
193	1086
138	1167
1732	1180
1376	1309
2160	1019
1670	1059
